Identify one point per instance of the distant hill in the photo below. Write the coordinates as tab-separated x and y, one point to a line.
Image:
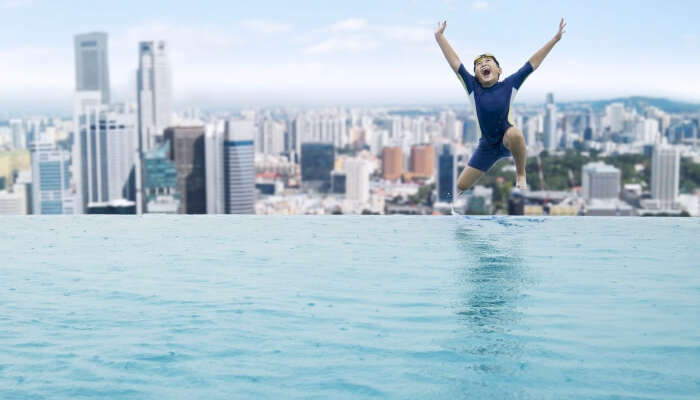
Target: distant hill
638	102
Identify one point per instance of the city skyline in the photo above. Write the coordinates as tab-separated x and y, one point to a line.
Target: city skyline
225	55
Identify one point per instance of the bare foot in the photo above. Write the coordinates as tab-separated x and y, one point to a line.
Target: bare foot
521	183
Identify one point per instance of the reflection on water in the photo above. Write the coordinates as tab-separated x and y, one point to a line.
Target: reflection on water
493	278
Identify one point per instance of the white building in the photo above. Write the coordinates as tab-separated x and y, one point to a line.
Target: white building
647	131
357	179
105	151
19	139
600	181
615	115
665	176
14	202
271	138
214	167
320	128
154	92
551	137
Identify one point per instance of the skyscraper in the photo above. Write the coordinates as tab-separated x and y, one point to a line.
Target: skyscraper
600	181
446	173
51	180
551	137
392	163
154	92
665	175
239	167
91	64
214	170
105	148
188	153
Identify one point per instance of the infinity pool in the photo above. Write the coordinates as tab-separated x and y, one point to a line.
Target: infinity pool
222	307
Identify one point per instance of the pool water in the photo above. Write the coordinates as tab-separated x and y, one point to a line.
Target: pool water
221	307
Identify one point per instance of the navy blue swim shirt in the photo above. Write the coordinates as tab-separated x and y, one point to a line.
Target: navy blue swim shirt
493	105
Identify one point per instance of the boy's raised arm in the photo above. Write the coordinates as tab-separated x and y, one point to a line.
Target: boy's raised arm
447	50
537	58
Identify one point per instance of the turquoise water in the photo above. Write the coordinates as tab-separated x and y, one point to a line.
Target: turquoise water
220	307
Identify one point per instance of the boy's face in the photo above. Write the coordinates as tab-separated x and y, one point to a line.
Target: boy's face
487	71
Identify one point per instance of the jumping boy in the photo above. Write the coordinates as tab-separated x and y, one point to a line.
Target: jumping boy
492	101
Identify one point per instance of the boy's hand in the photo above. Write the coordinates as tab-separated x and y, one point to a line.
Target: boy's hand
562	25
440	28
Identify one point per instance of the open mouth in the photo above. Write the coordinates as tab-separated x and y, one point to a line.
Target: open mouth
486	72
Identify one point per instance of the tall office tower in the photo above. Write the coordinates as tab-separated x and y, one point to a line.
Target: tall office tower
188	153
550	98
600	181
92	64
239	167
19	139
392	163
615	114
665	175
160	181
105	144
423	160
214	170
551	137
154	92
357	179
51	192
446	173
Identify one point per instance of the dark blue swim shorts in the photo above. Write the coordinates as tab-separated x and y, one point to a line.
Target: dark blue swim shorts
486	154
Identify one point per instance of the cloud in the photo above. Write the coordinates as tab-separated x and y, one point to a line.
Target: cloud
349	25
267	27
480	5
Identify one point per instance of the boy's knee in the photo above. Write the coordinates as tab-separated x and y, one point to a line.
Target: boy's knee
512	135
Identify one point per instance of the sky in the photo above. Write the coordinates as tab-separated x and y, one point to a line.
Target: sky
262	53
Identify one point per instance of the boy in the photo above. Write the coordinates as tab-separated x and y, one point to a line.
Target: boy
492	101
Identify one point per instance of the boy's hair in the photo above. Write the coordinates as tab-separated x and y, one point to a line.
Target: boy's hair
486	55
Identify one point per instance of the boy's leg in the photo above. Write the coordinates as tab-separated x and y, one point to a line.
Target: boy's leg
513	140
468	178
